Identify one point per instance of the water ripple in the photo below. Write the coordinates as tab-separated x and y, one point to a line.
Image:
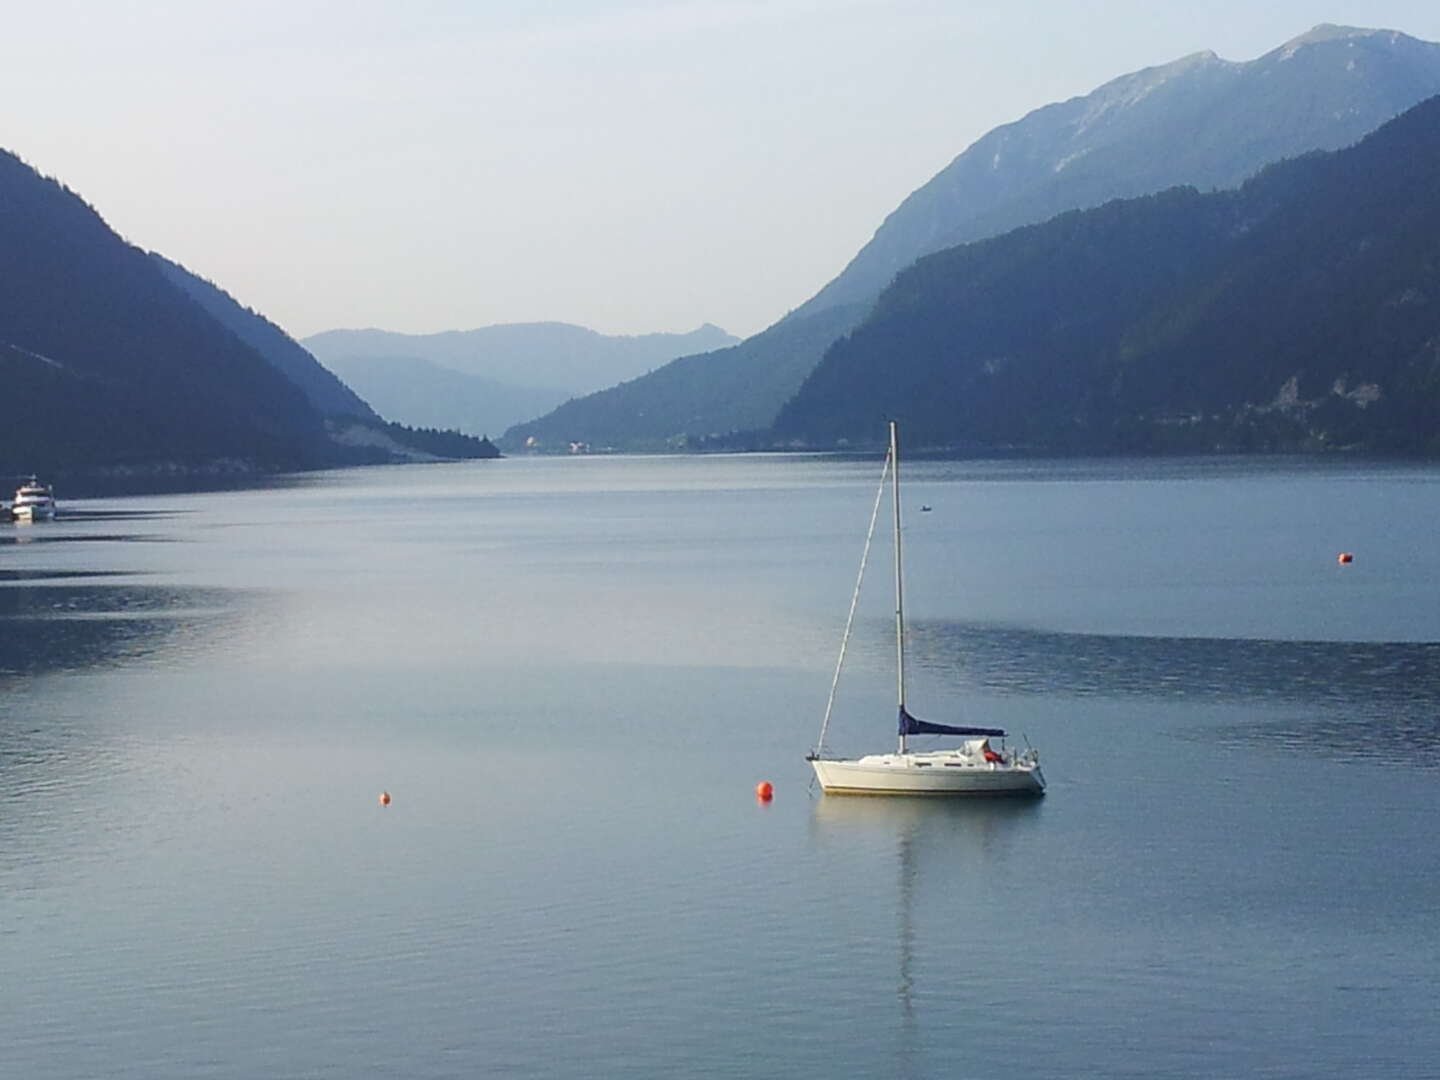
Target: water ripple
1377	675
1340	699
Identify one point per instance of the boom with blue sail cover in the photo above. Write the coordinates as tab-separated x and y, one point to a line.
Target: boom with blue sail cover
910	725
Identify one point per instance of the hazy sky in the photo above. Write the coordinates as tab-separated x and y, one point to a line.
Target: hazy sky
631	165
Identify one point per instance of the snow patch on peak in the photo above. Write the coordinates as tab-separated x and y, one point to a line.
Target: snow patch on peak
1323	33
1129	90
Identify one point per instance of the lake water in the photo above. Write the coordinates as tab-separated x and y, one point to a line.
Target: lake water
570	675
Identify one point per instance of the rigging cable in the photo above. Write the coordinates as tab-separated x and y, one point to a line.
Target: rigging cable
854	600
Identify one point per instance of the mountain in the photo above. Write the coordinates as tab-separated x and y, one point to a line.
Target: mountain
1199	121
117	361
424	392
509	372
554	355
1299	312
383	441
104	361
326	392
702	396
350	421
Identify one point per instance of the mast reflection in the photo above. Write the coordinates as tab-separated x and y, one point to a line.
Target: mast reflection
921	837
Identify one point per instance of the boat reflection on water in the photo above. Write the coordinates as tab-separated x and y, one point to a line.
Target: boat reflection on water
953	852
961	828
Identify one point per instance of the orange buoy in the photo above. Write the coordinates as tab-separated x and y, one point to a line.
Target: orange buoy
1344	557
384	798
764	790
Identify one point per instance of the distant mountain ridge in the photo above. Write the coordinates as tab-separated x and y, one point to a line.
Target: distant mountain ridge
431	395
1298	312
732	389
1200	121
556	356
492	377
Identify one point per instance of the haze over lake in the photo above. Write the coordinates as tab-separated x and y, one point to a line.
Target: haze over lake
570	674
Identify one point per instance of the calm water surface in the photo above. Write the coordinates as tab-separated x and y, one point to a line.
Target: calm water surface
570	674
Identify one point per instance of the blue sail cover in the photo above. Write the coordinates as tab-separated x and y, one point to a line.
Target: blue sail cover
911	726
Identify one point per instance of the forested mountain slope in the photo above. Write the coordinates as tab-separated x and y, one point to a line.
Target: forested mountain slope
113	360
325	391
1300	312
105	361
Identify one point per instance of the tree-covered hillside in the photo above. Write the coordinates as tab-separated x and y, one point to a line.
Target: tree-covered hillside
113	360
1300	312
358	433
105	361
326	392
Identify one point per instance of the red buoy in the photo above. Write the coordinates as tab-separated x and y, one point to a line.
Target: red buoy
1344	557
764	791
384	798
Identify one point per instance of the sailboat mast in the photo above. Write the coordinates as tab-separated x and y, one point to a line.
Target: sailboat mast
899	578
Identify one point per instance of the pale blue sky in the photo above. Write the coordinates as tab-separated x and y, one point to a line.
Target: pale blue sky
631	165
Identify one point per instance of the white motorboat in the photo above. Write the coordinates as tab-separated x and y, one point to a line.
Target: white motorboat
974	767
34	501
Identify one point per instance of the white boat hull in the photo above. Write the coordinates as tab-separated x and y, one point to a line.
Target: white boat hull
935	773
33	501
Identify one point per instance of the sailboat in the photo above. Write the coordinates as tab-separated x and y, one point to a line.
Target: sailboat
974	767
